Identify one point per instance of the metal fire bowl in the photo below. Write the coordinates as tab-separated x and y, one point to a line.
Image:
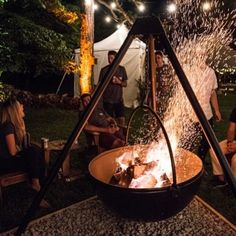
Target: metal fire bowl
147	203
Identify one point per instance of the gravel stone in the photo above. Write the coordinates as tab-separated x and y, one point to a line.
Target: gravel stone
91	217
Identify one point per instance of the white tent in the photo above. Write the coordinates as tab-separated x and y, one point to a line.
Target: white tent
133	61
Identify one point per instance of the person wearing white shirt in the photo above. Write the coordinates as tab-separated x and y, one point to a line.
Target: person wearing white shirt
208	100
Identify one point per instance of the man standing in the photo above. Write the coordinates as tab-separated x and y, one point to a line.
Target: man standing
208	100
113	96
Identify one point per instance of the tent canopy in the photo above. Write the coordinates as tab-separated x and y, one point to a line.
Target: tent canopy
133	61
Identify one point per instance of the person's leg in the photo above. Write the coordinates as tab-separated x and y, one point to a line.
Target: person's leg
109	108
233	165
117	143
66	166
120	134
35	184
219	180
36	168
120	113
121	121
216	167
35	164
204	145
109	141
12	164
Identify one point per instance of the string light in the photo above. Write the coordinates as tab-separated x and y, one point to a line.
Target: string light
88	2
95	7
141	7
171	8
108	19
118	26
206	6
113	5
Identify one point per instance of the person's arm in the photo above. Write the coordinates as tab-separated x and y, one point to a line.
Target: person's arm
101	75
122	81
92	128
215	106
11	144
125	78
119	81
231	132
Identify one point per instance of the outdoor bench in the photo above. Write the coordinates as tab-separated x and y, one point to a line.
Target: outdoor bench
10	179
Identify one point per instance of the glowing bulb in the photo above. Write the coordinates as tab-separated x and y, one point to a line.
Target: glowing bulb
113	5
88	2
171	8
95	7
108	19
206	6
118	26
141	7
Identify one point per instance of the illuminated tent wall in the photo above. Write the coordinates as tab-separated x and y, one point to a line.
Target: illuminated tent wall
133	62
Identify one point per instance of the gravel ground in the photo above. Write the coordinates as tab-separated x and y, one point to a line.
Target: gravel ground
90	217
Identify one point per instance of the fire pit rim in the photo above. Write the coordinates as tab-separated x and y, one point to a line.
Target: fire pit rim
149	204
138	190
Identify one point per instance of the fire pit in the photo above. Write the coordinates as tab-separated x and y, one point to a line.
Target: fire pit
147	203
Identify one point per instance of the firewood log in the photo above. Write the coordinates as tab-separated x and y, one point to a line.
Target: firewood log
146	181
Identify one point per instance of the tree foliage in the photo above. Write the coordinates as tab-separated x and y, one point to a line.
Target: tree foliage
32	40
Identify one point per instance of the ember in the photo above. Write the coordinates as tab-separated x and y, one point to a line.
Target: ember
122	167
135	170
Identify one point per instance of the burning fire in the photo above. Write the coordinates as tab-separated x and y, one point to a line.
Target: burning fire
144	168
210	32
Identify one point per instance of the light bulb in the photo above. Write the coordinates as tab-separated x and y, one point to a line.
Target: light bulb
206	6
95	7
108	19
141	7
113	5
171	8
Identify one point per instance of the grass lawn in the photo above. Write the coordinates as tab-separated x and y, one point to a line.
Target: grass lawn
57	124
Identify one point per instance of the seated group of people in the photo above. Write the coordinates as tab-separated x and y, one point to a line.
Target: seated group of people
16	154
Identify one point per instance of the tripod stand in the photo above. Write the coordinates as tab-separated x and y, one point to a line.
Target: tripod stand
147	27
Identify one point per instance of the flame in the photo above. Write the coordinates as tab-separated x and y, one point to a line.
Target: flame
157	154
86	58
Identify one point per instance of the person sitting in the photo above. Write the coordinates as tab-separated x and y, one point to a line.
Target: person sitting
111	136
228	147
15	152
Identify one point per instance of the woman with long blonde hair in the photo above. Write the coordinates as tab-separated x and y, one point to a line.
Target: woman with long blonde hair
16	153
